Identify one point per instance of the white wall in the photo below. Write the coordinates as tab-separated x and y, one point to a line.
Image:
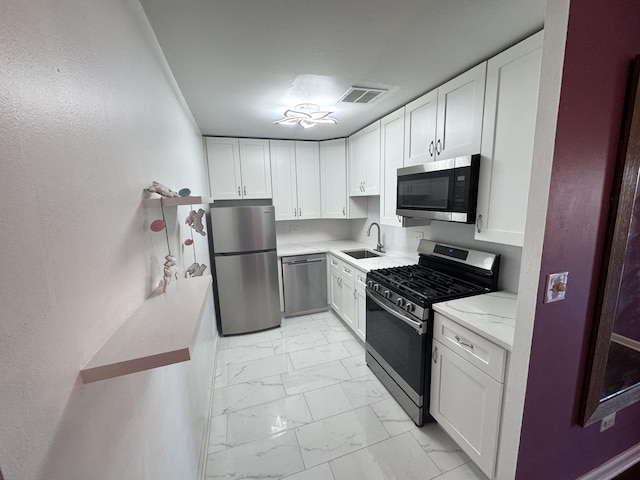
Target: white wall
403	239
89	115
300	231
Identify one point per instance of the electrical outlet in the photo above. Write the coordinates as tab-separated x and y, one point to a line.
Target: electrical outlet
418	236
556	287
608	422
293	228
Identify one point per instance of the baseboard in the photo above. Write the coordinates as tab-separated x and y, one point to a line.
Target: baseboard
615	466
204	446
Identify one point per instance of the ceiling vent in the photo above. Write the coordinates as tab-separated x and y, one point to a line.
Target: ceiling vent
361	95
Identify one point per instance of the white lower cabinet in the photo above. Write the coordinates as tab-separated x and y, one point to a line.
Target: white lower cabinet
467	380
346	294
361	305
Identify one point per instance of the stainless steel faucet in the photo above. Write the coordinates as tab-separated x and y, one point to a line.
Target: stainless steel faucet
379	247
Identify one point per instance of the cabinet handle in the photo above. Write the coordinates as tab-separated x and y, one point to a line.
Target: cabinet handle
299	212
470	345
438	147
431	147
295	212
239	192
435	355
355	294
339	282
399	219
479	223
343	211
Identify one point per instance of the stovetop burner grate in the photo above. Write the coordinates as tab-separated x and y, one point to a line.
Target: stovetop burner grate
422	284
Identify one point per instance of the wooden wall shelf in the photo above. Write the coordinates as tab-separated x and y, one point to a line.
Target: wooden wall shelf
174	201
162	331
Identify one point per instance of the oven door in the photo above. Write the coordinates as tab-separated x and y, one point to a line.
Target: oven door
398	343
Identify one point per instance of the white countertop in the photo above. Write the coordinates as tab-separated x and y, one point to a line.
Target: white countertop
335	247
492	315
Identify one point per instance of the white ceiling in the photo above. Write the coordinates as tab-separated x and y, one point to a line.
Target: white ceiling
241	63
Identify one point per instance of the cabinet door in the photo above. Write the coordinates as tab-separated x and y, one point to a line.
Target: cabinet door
420	129
256	168
356	165
511	105
392	153
371	152
460	107
223	158
283	169
348	302
361	313
466	403
333	179
335	292
308	179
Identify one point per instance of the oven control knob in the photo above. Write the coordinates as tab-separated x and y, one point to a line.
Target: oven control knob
410	307
376	287
387	294
401	302
370	283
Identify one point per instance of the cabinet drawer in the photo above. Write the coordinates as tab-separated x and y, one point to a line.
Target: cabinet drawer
485	355
347	270
334	264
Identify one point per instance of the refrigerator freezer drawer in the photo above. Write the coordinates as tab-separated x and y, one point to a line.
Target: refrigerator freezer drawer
243	229
248	295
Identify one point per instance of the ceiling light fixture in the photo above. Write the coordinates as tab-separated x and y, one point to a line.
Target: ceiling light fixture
306	115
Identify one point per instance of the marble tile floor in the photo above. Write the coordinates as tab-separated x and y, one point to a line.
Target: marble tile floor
299	403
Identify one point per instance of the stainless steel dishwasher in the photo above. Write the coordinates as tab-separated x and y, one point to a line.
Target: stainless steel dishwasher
304	278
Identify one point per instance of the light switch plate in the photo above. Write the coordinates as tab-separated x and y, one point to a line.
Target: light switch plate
418	236
556	287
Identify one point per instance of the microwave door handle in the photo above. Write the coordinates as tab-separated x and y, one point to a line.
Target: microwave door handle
420	327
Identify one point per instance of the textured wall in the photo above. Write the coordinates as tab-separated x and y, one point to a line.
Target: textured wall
602	39
89	114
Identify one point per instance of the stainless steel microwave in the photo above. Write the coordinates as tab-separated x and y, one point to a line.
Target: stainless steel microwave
442	190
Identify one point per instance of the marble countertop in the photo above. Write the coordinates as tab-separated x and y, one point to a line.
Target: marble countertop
336	247
492	315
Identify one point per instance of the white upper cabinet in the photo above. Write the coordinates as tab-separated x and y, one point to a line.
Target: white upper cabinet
392	157
511	104
364	161
308	179
447	121
223	157
420	129
238	168
333	178
295	167
283	172
335	200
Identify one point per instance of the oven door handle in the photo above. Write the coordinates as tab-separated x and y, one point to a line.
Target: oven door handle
420	327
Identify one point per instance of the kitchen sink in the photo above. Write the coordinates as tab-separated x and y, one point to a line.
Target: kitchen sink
359	254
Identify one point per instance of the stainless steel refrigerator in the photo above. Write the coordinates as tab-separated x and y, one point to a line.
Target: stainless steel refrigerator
242	241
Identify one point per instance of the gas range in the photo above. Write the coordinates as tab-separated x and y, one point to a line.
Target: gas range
399	302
